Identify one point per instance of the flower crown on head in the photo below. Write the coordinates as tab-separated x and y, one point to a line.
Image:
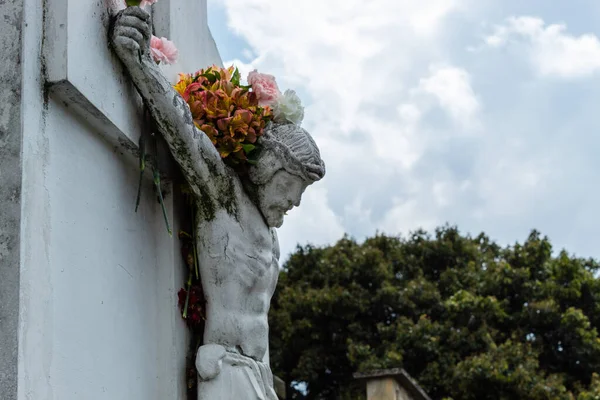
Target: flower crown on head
233	115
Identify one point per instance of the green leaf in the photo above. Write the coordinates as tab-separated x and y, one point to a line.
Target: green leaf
212	77
252	162
133	3
254	154
248	148
235	79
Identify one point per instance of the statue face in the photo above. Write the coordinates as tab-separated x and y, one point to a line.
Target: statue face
279	195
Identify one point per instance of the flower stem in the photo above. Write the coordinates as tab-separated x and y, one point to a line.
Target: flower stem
184	233
160	197
142	144
194	227
187	297
156	175
196	260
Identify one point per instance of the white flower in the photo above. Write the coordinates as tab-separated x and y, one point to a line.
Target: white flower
288	108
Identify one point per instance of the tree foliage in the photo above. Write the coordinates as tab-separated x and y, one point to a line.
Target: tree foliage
465	317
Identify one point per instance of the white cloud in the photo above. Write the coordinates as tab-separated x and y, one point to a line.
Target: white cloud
312	223
552	50
248	54
344	53
407	215
451	87
359	66
390	93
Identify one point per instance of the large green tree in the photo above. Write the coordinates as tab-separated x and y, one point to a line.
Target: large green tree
467	318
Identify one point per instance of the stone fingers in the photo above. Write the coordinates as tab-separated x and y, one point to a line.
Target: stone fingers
126	43
129	33
136	23
136	12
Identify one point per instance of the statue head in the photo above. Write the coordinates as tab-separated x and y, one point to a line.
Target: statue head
288	163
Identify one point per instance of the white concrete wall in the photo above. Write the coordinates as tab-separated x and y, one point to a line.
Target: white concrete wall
98	315
194	40
108	276
11	74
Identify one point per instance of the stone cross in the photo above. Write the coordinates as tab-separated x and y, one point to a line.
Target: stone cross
88	287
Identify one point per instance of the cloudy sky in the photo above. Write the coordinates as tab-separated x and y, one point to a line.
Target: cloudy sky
479	113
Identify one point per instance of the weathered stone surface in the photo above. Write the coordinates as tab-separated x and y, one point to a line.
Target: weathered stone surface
387	389
82	71
383	389
237	244
11	12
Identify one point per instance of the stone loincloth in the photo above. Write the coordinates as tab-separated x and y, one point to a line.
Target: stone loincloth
240	378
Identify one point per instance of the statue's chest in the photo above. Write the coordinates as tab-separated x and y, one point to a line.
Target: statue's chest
248	250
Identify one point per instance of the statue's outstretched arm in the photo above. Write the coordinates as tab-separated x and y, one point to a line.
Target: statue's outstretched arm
193	150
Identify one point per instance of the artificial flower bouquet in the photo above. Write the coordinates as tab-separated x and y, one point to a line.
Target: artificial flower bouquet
234	115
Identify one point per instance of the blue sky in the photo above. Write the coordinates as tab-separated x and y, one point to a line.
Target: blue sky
470	112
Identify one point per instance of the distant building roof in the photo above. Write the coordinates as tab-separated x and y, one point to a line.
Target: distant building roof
279	386
403	378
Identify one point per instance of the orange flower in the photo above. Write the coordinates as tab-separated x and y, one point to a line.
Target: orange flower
227	112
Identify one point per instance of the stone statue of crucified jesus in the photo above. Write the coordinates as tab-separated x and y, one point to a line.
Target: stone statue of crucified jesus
237	243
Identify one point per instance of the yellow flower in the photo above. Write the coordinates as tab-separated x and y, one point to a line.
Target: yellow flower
225	111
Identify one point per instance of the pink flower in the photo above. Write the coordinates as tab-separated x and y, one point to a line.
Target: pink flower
265	88
163	50
145	3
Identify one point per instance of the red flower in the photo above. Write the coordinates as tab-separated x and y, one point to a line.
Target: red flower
182	295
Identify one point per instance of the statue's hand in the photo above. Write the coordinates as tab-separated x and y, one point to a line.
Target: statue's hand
209	361
130	35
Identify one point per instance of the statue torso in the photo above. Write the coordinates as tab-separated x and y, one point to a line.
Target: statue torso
238	257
